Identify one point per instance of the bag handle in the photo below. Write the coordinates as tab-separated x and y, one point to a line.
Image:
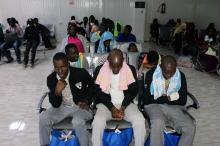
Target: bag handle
117	130
66	135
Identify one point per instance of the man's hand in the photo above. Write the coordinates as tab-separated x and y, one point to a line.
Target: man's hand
116	114
122	112
61	84
83	105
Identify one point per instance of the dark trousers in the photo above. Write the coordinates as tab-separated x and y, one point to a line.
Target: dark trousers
178	43
30	44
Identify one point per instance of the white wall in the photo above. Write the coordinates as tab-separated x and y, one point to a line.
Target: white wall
174	9
119	10
201	12
208	11
58	12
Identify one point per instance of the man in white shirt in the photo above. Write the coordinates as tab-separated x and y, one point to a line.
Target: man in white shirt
116	84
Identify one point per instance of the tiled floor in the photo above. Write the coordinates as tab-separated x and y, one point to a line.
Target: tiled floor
21	89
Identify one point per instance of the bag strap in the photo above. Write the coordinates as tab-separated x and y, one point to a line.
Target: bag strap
117	130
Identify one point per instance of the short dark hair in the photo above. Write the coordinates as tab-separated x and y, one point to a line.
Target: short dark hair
60	56
178	20
81	31
131	45
129	28
153	57
36	19
8	20
69	46
115	52
168	60
73	18
71	25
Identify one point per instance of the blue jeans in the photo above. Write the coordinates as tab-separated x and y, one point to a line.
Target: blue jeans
14	44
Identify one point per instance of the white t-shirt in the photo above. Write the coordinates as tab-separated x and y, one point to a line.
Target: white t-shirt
117	96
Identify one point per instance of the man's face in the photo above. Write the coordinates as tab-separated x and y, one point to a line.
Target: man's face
12	24
73	55
9	22
126	31
116	64
168	71
85	20
61	68
107	43
72	31
133	49
35	22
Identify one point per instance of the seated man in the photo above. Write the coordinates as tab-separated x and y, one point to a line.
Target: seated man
116	84
75	58
71	91
13	39
126	35
164	103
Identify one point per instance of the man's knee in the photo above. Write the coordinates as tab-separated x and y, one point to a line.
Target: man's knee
139	120
157	124
189	128
78	122
44	119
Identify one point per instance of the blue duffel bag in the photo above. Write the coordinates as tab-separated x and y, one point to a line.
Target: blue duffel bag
64	138
122	137
170	139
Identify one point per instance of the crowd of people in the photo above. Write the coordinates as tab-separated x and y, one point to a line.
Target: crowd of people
113	85
190	44
14	36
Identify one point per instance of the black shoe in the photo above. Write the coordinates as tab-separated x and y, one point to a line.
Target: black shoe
19	61
32	65
25	65
51	47
10	60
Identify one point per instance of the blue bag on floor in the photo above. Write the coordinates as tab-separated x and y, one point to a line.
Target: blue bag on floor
117	137
171	139
64	138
